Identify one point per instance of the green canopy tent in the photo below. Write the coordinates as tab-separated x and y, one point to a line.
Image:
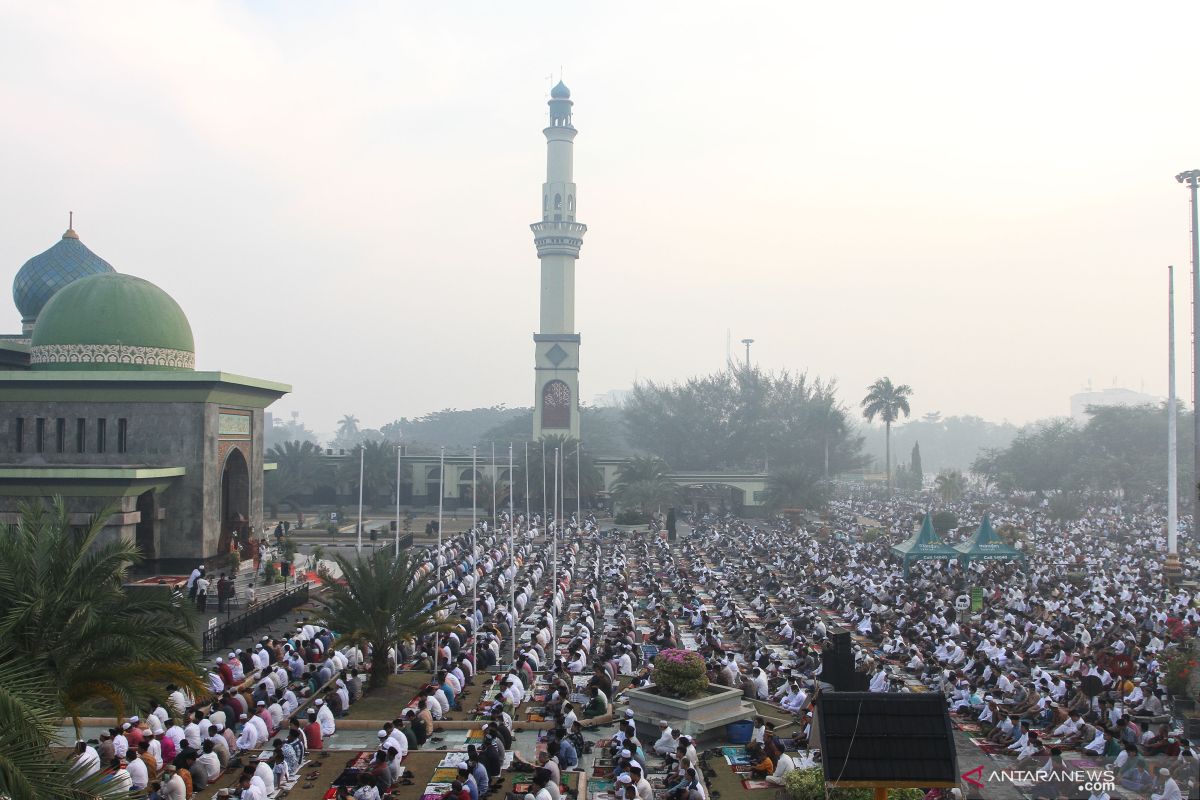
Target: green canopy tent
924	545
986	545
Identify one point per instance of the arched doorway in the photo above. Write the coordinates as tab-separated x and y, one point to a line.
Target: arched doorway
144	533
235	502
467	490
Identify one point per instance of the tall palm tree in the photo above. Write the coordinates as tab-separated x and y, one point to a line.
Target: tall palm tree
348	426
886	401
382	600
643	483
63	610
29	717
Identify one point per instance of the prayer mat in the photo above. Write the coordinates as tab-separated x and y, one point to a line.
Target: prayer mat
444	775
732	753
756	784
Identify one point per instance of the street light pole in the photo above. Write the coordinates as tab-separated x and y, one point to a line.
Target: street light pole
1171	568
1191	179
747	342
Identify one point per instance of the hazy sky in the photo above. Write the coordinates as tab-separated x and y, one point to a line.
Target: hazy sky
975	200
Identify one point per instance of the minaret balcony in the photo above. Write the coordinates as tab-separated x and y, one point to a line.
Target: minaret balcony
558	238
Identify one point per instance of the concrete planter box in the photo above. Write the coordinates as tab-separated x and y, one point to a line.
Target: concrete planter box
715	709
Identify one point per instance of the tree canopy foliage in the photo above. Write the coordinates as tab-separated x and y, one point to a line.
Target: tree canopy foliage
744	418
1120	448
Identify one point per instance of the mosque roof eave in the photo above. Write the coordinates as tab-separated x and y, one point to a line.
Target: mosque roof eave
140	386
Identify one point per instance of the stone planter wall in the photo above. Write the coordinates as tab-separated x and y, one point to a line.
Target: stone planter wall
720	706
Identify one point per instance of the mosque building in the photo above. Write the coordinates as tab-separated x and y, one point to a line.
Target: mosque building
101	404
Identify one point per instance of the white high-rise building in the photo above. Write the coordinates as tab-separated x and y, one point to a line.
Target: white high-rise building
558	238
1115	396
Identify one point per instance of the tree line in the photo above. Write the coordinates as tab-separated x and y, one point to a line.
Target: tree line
1119	449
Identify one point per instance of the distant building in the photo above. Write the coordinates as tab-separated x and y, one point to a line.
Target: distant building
1115	396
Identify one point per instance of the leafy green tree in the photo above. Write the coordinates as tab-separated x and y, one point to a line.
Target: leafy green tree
886	401
287	431
1120	449
643	483
918	473
63	611
950	485
743	418
382	600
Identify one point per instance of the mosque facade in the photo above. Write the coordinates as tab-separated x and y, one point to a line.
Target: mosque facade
101	404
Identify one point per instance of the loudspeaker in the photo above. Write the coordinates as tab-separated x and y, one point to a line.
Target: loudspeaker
837	662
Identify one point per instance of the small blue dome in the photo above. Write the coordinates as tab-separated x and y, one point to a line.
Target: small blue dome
560	92
46	273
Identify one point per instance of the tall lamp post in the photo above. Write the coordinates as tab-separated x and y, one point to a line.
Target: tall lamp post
747	342
1191	179
1171	569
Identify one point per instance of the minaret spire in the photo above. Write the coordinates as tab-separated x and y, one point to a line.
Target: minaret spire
558	238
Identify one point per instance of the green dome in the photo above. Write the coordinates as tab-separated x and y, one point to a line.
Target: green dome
112	322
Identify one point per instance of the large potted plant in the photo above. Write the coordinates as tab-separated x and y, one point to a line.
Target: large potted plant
681	694
680	674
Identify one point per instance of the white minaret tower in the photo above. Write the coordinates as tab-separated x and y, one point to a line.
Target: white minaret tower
558	238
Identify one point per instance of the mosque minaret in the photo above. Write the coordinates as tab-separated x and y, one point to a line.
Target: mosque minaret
558	237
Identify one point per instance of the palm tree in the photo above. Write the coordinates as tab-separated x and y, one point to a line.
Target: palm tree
298	470
888	402
348	426
379	471
590	477
63	610
643	483
30	713
795	487
382	600
950	485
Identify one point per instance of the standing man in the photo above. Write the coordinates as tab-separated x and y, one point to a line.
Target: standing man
224	592
201	587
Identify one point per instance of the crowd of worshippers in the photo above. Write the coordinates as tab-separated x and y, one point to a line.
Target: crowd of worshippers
253	706
1088	609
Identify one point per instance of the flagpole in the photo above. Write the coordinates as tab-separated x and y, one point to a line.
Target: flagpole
1171	568
554	571
493	483
474	561
578	487
361	451
512	560
397	500
441	573
545	519
527	485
